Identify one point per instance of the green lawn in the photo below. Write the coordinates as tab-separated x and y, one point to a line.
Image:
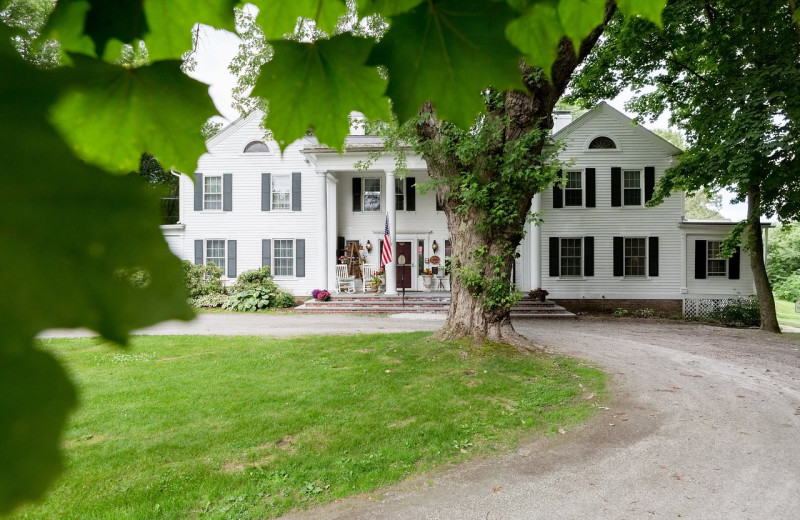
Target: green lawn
786	314
245	427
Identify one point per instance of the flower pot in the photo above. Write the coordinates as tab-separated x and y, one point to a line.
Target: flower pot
427	281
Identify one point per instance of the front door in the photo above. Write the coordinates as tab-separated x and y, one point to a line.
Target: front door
403	272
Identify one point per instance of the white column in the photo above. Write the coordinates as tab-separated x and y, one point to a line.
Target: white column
322	227
684	260
536	245
391	209
333	226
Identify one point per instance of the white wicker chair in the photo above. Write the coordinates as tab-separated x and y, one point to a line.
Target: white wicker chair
344	282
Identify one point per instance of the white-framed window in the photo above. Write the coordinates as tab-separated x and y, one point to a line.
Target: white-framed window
256	147
215	253
281	192
571	256
635	256
283	258
716	266
400	194
372	194
212	192
631	187
602	143
573	188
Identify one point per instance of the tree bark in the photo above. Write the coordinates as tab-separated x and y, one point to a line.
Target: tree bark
524	112
755	241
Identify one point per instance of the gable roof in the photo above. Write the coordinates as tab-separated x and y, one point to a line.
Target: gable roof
231	128
604	109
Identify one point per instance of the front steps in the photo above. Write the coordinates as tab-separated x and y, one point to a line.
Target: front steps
417	302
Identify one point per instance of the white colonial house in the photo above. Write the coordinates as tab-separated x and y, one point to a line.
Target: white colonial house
598	244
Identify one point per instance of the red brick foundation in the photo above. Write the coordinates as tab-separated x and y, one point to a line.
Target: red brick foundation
609	306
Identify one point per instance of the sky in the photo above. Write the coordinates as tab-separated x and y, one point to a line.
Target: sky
216	49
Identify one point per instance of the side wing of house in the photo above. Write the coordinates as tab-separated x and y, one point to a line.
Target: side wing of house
249	207
599	240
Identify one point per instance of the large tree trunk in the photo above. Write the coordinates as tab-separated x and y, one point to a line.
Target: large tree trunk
755	242
524	112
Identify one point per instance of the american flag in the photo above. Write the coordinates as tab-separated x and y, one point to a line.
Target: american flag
386	255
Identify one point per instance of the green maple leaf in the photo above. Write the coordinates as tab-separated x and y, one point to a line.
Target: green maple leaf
69	229
650	9
279	18
447	53
537	33
164	25
171	22
317	85
386	7
579	17
111	114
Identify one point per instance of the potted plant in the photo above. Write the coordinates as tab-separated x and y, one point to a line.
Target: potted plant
539	294
427	279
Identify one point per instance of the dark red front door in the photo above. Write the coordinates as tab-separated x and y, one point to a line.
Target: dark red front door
403	273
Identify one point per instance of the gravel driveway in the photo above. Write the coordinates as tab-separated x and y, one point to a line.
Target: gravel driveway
704	423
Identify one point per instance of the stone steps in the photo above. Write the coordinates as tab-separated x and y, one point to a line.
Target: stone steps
440	304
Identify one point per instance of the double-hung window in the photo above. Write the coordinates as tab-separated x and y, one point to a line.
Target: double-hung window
215	253
716	266
632	188
372	194
212	192
571	256
400	194
283	258
635	256
573	189
281	192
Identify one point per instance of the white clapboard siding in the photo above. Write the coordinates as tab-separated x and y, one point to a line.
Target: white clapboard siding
715	286
246	223
637	148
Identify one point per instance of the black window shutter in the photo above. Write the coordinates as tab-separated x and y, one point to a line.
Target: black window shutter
588	256
700	259
227	192
340	247
558	194
619	256
356	193
198	192
266	253
296	192
300	257
231	258
616	186
198	252
733	264
266	191
555	268
590	191
380	252
411	194
652	256
649	182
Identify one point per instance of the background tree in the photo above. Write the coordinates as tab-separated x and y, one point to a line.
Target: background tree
783	261
77	222
728	72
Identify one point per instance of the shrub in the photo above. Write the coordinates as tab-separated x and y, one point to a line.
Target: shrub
250	300
202	279
253	278
644	313
789	289
620	313
743	312
284	300
210	300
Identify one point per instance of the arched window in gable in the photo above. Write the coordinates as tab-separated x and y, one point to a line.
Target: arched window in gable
256	147
602	143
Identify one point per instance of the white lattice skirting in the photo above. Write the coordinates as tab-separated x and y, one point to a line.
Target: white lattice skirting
705	307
